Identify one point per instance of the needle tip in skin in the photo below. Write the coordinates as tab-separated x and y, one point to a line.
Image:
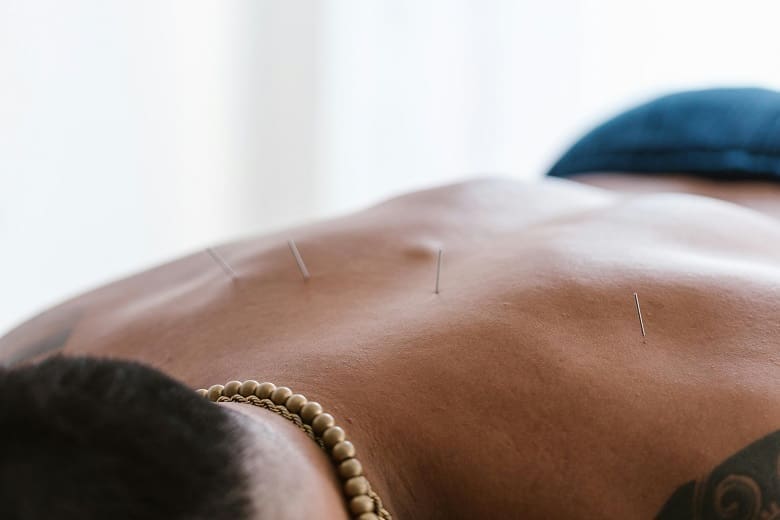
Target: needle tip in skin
222	263
438	271
639	312
298	260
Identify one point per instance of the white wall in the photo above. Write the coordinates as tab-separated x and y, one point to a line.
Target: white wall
131	131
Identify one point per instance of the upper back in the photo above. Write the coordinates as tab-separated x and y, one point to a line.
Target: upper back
525	384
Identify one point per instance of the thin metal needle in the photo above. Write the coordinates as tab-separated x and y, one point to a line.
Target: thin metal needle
639	312
224	265
299	260
438	270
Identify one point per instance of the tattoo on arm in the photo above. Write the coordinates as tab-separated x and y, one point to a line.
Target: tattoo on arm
44	334
746	486
48	344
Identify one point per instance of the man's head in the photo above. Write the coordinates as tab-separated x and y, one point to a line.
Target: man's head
83	438
86	438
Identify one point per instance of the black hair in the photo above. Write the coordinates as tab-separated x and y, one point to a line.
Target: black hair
86	438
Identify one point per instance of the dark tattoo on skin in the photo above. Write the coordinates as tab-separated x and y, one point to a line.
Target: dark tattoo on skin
48	344
746	486
45	334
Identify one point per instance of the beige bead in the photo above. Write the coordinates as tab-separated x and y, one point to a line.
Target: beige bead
322	422
231	388
361	504
264	390
356	486
202	392
280	395
215	392
295	402
310	410
248	387
343	451
333	436
368	516
350	468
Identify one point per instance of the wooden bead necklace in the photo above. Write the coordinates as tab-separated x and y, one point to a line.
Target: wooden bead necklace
308	416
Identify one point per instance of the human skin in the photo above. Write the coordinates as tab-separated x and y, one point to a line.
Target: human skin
291	476
525	388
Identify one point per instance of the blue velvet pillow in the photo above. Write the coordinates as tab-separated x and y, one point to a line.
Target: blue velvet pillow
718	133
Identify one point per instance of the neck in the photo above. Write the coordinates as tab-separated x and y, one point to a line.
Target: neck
290	476
391	468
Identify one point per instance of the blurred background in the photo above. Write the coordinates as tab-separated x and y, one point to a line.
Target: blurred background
132	132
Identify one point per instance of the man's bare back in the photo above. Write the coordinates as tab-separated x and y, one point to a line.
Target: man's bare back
525	388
